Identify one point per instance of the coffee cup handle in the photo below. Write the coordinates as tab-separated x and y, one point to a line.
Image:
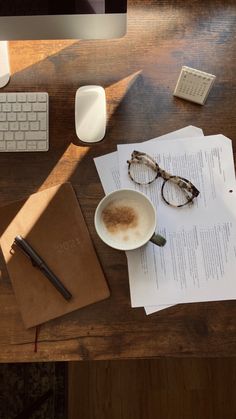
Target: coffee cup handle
158	240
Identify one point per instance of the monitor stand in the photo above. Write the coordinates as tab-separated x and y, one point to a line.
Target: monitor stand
4	64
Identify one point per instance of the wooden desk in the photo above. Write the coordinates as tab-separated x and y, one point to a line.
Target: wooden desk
139	73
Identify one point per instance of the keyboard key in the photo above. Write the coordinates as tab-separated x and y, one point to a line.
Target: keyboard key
11	145
11	97
34	126
21	145
42	117
19	135
39	107
42	145
42	97
31	97
3	126
14	126
43	125
8	136
31	147
21	116
1	135
3	97
6	107
26	107
11	116
24	126
21	97
3	117
31	143
16	107
32	116
2	145
36	135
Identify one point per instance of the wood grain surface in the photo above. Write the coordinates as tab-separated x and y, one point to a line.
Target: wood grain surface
139	73
164	388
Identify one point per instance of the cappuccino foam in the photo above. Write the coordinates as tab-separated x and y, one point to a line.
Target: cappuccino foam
127	222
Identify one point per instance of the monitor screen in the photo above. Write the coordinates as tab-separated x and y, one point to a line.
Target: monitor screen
55	7
54	19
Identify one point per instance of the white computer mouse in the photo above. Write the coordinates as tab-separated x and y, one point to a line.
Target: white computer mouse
90	113
4	67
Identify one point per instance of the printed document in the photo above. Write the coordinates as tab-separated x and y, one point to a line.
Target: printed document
197	262
108	170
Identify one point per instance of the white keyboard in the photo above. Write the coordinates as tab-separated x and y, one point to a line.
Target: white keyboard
24	122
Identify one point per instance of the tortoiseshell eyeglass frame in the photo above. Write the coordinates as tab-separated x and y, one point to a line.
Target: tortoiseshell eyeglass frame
189	190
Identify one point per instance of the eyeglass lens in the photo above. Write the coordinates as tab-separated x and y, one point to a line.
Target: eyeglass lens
174	195
142	173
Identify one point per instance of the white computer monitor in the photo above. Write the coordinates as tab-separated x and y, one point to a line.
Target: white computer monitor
58	19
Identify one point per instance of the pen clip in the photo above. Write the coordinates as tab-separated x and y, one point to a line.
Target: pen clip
25	253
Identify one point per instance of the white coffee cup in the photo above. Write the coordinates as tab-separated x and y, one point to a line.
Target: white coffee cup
126	220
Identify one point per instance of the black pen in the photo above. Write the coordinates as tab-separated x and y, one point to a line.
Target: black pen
39	263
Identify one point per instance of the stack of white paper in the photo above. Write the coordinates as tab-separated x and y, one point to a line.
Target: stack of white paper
199	258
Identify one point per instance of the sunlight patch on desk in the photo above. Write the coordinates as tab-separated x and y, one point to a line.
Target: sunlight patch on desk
42	50
28	214
116	92
65	166
22	214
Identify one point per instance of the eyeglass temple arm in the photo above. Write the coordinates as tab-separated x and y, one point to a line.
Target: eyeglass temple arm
139	157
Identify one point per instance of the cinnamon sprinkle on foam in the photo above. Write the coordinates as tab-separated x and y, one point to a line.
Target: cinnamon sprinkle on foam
119	217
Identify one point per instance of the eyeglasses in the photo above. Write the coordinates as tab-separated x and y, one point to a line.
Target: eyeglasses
175	191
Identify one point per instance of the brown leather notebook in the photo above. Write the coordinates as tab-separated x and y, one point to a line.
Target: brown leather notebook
53	224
